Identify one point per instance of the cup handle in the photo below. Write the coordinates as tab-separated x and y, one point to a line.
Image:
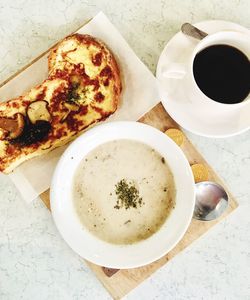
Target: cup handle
174	70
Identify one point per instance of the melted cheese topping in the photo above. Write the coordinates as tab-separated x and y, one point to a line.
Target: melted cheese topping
47	88
3	147
85	55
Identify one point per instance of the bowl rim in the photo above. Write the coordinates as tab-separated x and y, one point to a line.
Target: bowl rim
122	256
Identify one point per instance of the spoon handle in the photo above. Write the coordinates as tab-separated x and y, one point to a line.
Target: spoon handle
190	30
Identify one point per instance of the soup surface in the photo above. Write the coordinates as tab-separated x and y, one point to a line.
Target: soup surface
123	191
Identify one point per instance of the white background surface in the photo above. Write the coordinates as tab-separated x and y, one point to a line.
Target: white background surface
34	261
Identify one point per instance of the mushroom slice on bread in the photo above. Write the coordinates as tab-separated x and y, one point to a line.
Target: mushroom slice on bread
12	126
38	111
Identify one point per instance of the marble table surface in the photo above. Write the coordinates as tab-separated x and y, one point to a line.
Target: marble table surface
35	263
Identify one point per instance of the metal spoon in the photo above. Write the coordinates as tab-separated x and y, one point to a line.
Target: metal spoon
190	30
211	200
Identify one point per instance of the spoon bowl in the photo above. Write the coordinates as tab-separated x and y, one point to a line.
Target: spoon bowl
211	200
190	30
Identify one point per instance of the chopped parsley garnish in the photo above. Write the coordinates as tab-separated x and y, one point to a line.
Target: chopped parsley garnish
73	93
127	195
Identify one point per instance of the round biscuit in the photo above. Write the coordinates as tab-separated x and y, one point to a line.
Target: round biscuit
200	172
176	135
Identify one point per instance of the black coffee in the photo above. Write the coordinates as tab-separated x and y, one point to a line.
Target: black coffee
222	73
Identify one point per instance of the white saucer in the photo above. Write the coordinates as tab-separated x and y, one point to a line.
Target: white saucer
174	97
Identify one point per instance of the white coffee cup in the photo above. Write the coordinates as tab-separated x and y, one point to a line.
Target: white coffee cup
185	73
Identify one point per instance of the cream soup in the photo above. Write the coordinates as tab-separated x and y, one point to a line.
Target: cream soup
123	191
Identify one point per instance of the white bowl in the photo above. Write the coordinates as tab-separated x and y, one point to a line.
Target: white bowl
121	256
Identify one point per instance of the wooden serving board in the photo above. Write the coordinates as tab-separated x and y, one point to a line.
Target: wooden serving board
120	282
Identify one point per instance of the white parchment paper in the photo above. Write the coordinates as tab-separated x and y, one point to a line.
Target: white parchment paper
139	95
